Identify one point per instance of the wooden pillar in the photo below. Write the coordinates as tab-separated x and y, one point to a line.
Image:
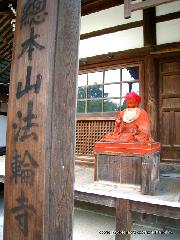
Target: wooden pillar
151	94
123	219
151	80
41	121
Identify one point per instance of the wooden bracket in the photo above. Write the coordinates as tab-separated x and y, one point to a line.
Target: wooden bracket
131	7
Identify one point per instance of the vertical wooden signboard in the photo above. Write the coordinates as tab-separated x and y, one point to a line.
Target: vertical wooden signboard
41	121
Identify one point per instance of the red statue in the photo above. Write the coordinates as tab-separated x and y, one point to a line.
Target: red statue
132	124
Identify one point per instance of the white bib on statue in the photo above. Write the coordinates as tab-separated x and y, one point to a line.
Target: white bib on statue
131	114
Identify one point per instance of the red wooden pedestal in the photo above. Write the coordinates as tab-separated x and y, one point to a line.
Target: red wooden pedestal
119	147
129	163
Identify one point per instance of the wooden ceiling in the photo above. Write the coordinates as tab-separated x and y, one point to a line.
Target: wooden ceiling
5	3
6	44
6	35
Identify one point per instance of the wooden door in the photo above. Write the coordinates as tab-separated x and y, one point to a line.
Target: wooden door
169	96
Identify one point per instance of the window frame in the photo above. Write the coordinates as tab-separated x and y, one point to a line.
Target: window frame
89	115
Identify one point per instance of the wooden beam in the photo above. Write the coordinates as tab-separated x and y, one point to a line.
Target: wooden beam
168	17
95	199
6	23
157	51
95	116
112	30
155	209
108	59
85	163
3	20
149	3
42	106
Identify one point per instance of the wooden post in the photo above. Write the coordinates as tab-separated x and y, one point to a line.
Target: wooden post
149	32
151	94
123	219
41	121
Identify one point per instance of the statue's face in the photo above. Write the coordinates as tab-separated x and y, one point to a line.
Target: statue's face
131	103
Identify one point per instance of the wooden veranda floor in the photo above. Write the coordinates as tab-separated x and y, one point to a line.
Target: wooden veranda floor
168	191
167	194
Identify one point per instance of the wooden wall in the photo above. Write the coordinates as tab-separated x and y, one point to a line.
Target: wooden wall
169	109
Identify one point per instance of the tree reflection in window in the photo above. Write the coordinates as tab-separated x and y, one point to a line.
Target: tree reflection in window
94	91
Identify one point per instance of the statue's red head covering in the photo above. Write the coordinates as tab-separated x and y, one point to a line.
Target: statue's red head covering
133	95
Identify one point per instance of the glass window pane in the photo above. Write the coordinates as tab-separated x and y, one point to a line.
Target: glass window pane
81	106
112	90
82	80
129	87
130	73
112	76
81	92
135	87
94	91
94	105
126	88
95	78
111	105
